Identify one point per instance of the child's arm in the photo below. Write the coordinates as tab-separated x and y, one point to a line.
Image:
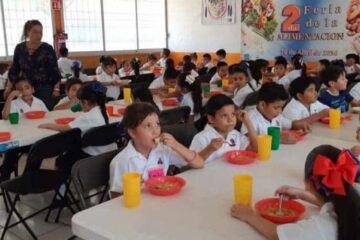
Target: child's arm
298	193
316	116
66	105
191	157
115	194
251	134
355	103
263	226
7	106
301	125
56	127
214	145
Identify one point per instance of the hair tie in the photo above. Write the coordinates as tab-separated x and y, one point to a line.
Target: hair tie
98	87
76	64
191	77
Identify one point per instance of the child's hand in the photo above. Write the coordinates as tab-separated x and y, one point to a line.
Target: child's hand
303	125
290	192
242	116
15	94
324	113
358	134
216	143
288	138
242	213
169	140
356	150
46	125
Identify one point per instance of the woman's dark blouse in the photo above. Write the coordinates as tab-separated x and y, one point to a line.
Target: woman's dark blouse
40	68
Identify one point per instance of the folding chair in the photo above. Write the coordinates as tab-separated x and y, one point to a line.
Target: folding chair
175	115
250	100
35	180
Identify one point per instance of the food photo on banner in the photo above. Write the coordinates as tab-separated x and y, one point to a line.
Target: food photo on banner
316	29
218	12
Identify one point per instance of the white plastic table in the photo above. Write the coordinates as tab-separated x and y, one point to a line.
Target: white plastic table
201	209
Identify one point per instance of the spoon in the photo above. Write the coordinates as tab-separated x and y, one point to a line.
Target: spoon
231	143
279	212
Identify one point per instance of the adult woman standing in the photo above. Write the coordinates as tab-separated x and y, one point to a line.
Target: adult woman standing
36	61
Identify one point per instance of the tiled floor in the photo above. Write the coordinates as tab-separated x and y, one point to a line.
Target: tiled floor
43	230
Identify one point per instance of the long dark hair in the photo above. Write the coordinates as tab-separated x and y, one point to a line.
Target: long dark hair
347	208
194	88
28	26
95	93
144	95
299	64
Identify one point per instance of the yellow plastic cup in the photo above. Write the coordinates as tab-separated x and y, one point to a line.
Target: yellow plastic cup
171	90
127	95
243	189
131	190
264	147
225	84
335	118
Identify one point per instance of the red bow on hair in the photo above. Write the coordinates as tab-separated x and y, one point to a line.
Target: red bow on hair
333	174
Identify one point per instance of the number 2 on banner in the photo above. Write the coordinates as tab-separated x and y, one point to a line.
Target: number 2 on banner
293	13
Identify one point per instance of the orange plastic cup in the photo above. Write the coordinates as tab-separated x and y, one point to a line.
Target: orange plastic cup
171	90
110	110
131	189
264	147
243	189
334	118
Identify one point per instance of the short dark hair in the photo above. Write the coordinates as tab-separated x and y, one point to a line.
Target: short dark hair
216	102
280	60
186	59
170	73
238	68
299	85
136	113
188	67
169	63
166	52
144	95
353	56
206	55
331	73
338	62
63	51
108	61
324	62
221	53
151	56
272	92
221	64
72	81
21	79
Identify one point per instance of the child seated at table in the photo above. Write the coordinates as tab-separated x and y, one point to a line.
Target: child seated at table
219	135
239	75
221	72
92	101
162	83
299	70
151	61
165	54
332	189
109	79
125	69
72	87
271	99
304	104
336	95
21	100
190	88
149	152
280	67
221	55
99	68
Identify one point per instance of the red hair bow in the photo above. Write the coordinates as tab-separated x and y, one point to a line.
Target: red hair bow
334	174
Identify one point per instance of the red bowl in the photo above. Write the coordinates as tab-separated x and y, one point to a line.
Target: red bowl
268	207
5	136
300	135
35	114
212	93
164	186
64	121
121	111
240	157
169	102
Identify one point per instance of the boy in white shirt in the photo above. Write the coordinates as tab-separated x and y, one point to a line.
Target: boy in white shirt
304	104
337	198
271	100
206	63
280	67
149	152
351	60
240	77
109	79
221	55
151	61
64	62
165	54
222	71
219	135
162	83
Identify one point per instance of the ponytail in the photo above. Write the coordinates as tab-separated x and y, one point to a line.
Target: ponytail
101	102
298	62
27	27
191	82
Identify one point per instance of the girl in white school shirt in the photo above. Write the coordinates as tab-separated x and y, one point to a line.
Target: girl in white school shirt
330	178
220	135
299	71
149	151
92	101
190	88
240	77
109	79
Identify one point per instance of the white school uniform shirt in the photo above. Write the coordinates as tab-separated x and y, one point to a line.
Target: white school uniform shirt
203	139
355	92
209	66
261	124
20	106
215	78
188	101
130	160
3	78
241	94
122	73
157	83
64	65
146	66
350	69
63	100
318	227
90	119
99	70
161	62
112	91
289	78
295	110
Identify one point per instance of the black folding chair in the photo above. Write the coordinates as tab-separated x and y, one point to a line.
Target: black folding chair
175	115
250	100
92	173
183	133
35	180
105	135
89	71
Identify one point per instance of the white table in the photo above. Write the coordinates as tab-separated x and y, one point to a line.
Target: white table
201	209
27	132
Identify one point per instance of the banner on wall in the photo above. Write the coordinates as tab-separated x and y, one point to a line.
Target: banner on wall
317	29
218	12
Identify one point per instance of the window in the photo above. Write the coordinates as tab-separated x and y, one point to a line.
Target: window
107	25
17	12
83	25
